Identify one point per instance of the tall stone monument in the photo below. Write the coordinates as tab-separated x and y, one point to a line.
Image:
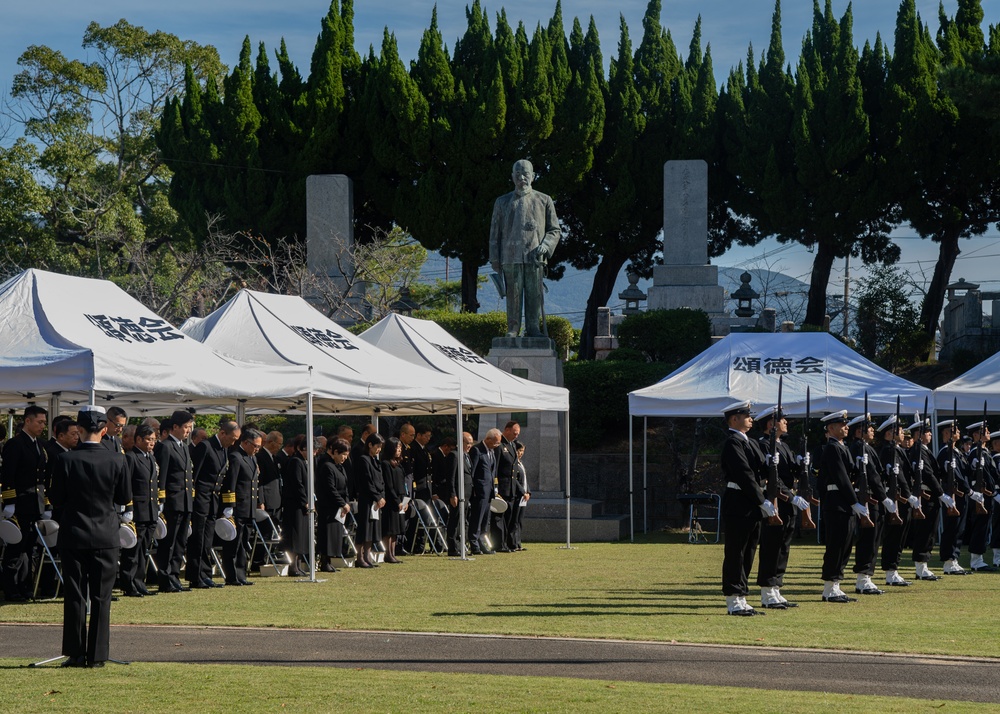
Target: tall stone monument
330	237
686	279
524	233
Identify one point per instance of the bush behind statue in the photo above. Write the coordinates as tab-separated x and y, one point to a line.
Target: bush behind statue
477	330
666	335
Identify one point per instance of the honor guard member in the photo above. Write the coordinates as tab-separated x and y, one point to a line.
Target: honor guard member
995	528
839	506
240	499
22	491
141	513
952	461
926	484
117	418
980	467
776	540
897	468
176	497
65	437
868	466
210	463
743	507
87	483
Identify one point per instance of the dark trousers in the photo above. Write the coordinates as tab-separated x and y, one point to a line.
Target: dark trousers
83	569
454	520
952	529
979	525
199	546
234	552
514	515
995	530
498	530
868	541
18	562
895	536
775	544
479	518
838	534
132	562
924	531
170	550
742	535
415	536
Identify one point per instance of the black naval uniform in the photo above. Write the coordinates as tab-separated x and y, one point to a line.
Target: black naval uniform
743	466
239	492
86	485
979	523
508	488
838	498
955	482
926	481
23	479
895	533
869	467
144	477
176	495
776	541
210	463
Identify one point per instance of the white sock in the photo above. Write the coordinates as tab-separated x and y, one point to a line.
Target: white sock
777	593
861	581
828	587
996	556
922	569
732	603
976	561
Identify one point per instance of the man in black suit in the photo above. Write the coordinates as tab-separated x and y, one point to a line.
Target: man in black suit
445	468
240	498
507	488
142	512
421	483
743	507
22	493
484	467
176	496
211	460
117	418
270	478
87	483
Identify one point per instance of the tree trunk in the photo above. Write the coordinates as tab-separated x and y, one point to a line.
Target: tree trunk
470	287
818	283
600	292
930	311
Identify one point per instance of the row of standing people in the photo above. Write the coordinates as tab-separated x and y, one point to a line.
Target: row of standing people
877	489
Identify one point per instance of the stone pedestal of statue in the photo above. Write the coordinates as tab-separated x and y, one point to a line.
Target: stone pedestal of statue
535	359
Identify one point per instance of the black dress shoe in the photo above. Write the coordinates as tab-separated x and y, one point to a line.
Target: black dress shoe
985	569
80	661
134	593
869	591
233	583
775	606
488	552
168	588
245	582
839	598
96	665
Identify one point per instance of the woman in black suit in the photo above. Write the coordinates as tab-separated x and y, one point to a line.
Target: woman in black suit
331	500
393	518
295	533
371	497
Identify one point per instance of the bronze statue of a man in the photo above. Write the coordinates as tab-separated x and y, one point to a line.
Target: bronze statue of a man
523	235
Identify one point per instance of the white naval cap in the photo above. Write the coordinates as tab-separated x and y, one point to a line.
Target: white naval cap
92	417
744	407
995	435
975	427
839	417
857	420
767	414
887	423
920	424
946	423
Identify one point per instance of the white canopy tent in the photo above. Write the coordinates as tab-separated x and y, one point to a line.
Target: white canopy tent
485	388
747	366
80	340
968	391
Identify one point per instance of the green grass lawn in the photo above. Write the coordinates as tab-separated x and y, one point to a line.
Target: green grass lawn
233	689
662	589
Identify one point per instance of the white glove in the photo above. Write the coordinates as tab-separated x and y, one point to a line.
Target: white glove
947	501
913	501
47	515
954	465
920	466
127	517
996	497
772	460
976	496
768	509
889	504
161	508
864	458
802	504
975	462
860	509
227	512
895	469
8	511
860	460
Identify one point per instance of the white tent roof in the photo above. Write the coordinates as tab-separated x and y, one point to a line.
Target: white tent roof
349	375
979	384
485	388
747	366
70	335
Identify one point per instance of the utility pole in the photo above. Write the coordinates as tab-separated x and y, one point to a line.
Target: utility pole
847	293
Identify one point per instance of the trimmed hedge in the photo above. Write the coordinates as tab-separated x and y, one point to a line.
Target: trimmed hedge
666	335
477	330
598	396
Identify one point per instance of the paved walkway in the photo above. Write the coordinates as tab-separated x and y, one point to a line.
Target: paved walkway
925	677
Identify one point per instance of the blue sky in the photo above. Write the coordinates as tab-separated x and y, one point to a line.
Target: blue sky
728	25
